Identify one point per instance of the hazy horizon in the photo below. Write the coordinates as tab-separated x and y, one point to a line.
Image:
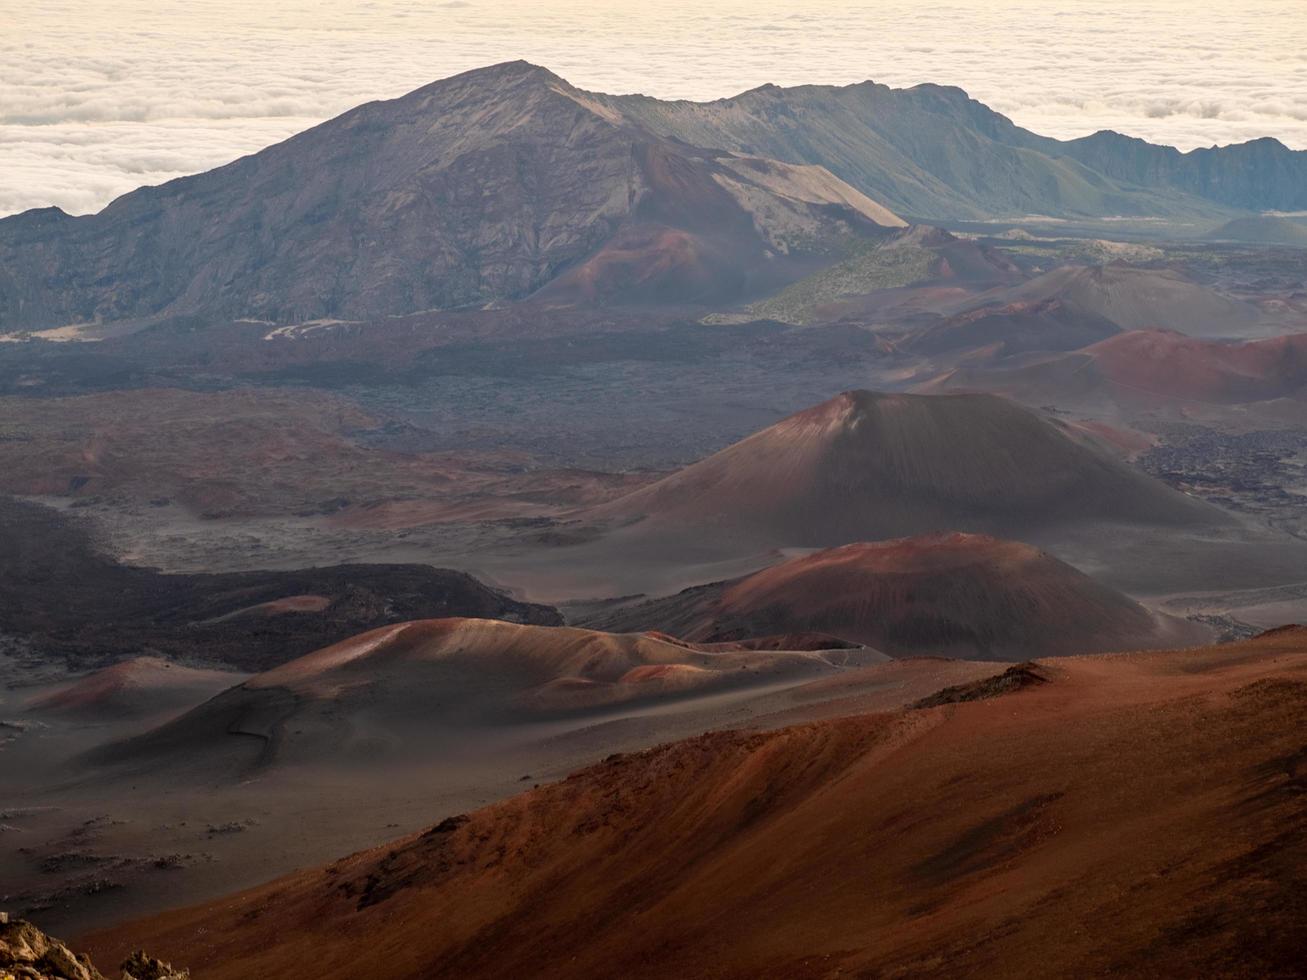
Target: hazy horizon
95	102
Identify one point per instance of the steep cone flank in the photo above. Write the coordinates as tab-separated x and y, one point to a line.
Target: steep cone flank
396	688
964	595
1128	816
866	466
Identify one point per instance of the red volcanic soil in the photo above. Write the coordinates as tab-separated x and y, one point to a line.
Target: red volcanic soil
141	686
710	226
964	595
1173	366
649	263
1132	815
867	466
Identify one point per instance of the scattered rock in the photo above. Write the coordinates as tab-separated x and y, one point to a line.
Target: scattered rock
1013	679
139	966
225	828
27	953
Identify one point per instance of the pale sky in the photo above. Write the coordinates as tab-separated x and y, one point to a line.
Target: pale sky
100	96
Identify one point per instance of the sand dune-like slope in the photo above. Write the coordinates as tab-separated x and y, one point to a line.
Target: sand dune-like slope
867	466
1126	815
140	686
1015	328
407	688
1152	368
964	595
1132	298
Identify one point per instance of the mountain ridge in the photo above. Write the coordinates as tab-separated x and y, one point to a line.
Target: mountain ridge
478	188
489	185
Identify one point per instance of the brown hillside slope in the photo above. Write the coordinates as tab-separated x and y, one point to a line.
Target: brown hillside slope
866	466
410	688
1148	369
139	686
1132	815
967	595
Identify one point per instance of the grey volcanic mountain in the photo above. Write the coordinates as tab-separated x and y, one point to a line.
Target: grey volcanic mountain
481	187
1261	175
933	152
1263	229
499	183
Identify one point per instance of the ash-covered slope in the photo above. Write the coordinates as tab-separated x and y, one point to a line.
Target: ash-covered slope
481	187
421	689
963	595
866	466
1155	796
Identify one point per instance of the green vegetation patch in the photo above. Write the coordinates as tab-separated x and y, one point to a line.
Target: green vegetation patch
870	268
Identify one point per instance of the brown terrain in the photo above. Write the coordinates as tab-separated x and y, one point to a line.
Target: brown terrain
485	186
866	466
27	953
869	466
964	595
369	736
293	452
131	688
1152	369
1136	298
1156	796
251	452
246	620
421	688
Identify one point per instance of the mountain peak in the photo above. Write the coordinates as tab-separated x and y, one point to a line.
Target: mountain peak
491	77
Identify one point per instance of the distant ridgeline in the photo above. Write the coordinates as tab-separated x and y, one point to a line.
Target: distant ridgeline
507	182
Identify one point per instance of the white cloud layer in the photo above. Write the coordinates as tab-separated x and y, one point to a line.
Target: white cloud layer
97	98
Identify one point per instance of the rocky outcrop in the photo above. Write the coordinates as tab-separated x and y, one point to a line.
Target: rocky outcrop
140	966
27	953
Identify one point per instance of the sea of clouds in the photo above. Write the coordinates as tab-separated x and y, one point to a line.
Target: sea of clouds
97	98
